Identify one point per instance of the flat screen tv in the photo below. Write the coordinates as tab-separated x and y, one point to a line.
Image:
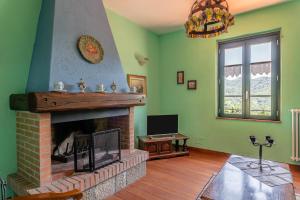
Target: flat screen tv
162	124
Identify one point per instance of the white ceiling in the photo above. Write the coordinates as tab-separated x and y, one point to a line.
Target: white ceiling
162	16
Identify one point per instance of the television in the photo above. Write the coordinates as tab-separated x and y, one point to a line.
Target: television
162	124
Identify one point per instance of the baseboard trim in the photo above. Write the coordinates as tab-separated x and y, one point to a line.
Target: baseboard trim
208	151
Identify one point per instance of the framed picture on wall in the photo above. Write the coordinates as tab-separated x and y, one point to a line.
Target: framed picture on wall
192	85
180	77
137	83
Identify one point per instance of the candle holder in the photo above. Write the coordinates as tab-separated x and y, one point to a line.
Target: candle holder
268	143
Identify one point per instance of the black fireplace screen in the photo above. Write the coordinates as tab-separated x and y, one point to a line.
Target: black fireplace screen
96	150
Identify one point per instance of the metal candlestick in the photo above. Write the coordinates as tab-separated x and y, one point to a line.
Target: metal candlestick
268	143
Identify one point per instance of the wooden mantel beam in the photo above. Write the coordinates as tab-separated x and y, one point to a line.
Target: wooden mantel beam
58	102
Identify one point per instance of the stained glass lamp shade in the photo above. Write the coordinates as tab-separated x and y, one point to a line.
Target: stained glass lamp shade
208	18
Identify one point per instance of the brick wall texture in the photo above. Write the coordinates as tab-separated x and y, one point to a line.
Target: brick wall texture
34	147
126	124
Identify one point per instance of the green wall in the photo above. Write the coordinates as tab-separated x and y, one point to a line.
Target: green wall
18	20
197	109
130	39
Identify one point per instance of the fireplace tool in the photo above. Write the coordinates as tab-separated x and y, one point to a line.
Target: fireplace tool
3	185
268	143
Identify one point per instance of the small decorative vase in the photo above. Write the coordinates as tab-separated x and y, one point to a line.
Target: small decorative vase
82	85
113	87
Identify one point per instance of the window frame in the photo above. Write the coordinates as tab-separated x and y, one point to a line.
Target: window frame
245	43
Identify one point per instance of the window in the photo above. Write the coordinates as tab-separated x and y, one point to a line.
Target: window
248	77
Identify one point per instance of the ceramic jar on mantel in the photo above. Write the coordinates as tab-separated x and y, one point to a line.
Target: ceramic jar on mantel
100	88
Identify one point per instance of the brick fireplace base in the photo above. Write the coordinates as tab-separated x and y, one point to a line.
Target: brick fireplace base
97	185
35	174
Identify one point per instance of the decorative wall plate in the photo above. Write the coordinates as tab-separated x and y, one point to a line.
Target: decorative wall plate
90	49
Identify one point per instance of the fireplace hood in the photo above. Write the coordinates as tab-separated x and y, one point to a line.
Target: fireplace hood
56	57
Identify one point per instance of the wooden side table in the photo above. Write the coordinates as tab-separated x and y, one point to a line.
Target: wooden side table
161	146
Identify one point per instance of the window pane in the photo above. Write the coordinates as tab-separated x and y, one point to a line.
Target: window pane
234	56
261	52
233	105
233	81
260	106
247	71
260	82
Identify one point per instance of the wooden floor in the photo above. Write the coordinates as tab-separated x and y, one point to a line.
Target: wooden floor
180	178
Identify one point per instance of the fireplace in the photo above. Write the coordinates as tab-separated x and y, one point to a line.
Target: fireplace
77	137
89	144
106	136
48	123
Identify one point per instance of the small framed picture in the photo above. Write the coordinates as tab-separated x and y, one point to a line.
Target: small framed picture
137	83
192	85
180	77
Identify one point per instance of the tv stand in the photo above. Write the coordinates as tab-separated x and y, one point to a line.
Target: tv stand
161	146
